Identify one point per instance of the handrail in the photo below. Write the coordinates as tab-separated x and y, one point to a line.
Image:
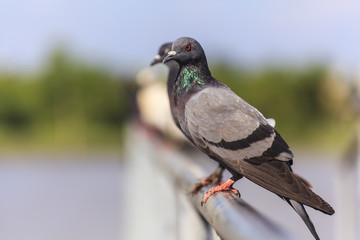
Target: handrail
230	216
163	174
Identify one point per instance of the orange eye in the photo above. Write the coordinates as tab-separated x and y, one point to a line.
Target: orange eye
188	47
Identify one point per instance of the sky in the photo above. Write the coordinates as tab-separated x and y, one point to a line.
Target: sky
126	35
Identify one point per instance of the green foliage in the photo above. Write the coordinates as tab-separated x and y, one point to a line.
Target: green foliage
75	106
70	106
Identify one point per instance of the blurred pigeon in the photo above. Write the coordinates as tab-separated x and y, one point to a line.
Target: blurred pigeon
215	177
173	70
235	134
154	112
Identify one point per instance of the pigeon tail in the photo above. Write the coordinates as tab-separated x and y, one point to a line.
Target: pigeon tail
300	210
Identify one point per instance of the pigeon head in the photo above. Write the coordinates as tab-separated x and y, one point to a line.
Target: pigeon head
186	51
162	53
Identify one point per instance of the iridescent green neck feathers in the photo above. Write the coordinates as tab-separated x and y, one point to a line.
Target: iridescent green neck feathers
188	78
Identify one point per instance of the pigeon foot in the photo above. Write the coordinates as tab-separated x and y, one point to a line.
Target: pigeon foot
213	178
226	186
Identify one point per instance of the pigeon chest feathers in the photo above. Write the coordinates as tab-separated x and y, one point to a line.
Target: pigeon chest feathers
188	80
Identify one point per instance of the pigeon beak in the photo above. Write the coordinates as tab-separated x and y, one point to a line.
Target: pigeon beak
169	57
156	60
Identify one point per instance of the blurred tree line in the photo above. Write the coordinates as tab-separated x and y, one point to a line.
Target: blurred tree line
69	105
72	105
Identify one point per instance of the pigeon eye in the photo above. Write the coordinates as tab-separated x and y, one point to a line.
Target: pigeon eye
188	47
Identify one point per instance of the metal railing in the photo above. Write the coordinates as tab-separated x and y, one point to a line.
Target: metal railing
225	214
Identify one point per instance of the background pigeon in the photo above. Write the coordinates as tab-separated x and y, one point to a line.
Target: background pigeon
173	70
234	133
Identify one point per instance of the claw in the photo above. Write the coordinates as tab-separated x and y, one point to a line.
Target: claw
229	195
205	181
196	188
226	186
236	192
213	178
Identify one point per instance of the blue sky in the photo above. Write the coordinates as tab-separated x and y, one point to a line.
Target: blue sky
126	34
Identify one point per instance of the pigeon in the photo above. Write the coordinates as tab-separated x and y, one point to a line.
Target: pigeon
234	133
216	176
173	70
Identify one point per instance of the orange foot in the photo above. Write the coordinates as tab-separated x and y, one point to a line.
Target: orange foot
226	186
213	178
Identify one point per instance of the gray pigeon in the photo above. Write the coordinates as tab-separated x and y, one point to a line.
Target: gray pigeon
215	177
235	134
173	70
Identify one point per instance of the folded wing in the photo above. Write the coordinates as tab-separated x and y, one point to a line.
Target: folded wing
237	135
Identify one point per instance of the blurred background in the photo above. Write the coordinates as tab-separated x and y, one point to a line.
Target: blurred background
71	73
